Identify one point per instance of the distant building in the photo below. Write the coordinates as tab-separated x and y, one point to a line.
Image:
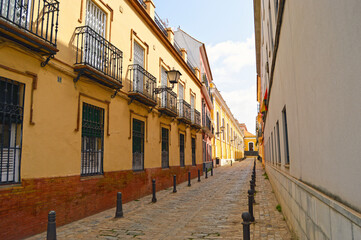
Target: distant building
308	65
250	142
228	143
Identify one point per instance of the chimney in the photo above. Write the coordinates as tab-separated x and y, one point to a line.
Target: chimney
184	54
170	35
150	8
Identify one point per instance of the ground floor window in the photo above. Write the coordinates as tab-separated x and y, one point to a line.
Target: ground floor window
193	151
181	149
92	147
11	124
138	145
165	148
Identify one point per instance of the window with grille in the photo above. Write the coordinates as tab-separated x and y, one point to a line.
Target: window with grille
278	142
285	135
164	84
95	18
165	148
92	140
11	124
138	78
138	145
181	149
193	151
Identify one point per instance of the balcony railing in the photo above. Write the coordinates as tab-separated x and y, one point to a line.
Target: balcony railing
177	47
143	4
168	101
191	66
196	118
38	17
94	51
142	85
160	24
184	111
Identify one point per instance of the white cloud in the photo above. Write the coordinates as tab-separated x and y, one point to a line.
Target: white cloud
233	67
243	104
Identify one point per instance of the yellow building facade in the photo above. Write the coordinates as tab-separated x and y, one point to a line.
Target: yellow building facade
91	110
228	141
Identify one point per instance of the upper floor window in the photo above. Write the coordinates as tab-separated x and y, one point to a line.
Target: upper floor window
95	18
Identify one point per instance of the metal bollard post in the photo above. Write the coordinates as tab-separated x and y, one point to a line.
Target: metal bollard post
206	172
250	204
199	175
174	183
189	179
252	185
231	163
246	222
211	171
51	232
119	211
154	199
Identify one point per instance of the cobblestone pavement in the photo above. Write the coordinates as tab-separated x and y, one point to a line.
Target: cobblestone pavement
210	209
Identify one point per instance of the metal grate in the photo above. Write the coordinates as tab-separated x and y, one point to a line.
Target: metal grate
165	148
138	145
181	149
92	140
11	124
193	151
95	51
39	17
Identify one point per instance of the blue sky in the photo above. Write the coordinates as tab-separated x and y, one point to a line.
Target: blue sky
226	27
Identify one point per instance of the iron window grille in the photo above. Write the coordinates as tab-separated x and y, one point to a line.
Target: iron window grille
184	109
142	82
165	148
92	147
138	145
181	149
168	99
193	151
39	17
95	51
11	125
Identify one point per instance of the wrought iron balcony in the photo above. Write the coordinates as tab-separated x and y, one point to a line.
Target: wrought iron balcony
97	58
143	4
196	118
33	24
142	85
168	101
190	65
177	47
184	111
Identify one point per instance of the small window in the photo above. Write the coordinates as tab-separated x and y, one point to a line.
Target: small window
285	135
165	148
181	149
278	142
193	151
92	140
138	145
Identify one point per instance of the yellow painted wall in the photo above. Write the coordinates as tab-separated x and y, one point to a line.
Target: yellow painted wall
246	143
52	147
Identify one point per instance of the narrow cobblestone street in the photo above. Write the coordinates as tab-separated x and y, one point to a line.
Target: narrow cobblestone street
210	209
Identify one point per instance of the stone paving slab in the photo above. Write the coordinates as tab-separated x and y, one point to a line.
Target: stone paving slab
210	209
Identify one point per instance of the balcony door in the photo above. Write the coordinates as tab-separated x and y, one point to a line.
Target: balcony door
16	11
181	107
165	148
138	77
192	108
181	149
138	145
94	41
164	84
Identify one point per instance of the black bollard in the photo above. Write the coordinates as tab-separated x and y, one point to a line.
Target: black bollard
154	199
199	175
189	179
119	211
231	163
250	204
211	171
246	222
51	232
174	183
206	172
252	185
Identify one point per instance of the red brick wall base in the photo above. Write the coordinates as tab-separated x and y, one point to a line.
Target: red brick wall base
24	209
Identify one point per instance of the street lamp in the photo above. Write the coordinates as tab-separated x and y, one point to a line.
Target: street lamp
222	130
173	78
